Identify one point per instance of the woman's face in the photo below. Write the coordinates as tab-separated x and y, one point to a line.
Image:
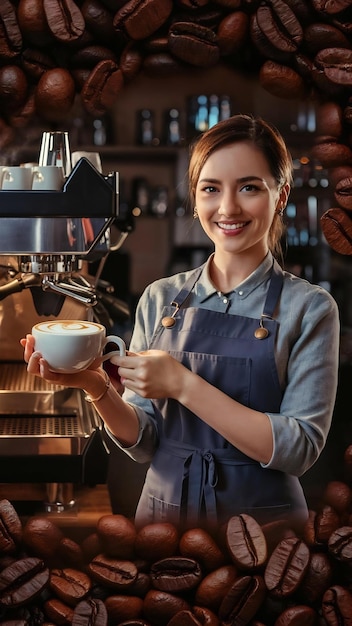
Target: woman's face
236	199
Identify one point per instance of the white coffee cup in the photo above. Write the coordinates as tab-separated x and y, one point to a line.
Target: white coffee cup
47	178
16	178
70	346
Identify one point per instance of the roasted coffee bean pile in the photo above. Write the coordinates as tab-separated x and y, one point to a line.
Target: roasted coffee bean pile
51	50
159	575
55	51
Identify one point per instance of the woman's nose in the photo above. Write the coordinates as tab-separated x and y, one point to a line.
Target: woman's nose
229	205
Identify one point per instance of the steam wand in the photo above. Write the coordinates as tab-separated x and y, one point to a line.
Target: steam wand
84	295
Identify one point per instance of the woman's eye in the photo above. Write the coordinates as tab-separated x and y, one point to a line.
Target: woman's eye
209	189
249	188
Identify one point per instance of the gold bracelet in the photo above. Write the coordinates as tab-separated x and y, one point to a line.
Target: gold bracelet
89	398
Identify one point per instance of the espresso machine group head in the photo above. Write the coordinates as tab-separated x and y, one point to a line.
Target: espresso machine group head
53	232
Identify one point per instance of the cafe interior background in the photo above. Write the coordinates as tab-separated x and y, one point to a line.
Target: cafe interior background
145	136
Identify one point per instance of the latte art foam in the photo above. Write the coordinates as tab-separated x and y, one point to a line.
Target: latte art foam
63	327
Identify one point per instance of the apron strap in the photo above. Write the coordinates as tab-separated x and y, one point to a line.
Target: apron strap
187	287
274	291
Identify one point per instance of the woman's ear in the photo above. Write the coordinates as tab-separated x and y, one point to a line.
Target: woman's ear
283	198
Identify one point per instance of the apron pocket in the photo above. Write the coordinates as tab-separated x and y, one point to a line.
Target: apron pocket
230	374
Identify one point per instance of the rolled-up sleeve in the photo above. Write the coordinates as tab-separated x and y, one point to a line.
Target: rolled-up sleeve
301	429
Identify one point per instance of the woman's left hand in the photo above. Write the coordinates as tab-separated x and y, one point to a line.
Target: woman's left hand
151	373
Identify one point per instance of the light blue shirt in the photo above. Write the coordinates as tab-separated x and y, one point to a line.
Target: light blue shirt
306	353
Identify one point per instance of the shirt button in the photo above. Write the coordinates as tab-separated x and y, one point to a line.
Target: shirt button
240	293
225	300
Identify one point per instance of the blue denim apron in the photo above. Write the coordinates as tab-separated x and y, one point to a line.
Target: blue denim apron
197	478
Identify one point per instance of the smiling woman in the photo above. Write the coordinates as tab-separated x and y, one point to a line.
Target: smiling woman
220	389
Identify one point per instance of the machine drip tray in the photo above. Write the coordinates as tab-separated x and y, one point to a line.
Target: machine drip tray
47	433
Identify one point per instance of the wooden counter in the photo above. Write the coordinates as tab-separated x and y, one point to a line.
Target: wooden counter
76	522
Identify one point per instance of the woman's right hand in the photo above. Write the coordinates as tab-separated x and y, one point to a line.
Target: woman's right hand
37	366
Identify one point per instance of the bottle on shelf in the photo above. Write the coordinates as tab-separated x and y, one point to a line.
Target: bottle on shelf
145	128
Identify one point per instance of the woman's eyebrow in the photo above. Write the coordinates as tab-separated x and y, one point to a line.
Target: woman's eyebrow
244	179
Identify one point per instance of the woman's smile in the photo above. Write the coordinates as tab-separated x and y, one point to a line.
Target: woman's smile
232	228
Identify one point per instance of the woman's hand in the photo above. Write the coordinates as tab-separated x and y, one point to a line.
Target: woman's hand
152	374
39	367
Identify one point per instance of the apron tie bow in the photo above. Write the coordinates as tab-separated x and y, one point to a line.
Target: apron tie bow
203	479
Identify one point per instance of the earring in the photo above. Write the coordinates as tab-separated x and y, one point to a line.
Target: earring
195	213
280	210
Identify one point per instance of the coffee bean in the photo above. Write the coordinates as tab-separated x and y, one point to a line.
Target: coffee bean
10	528
42	537
329	119
139	19
330	8
280	26
337	606
71	553
246	542
10	34
101	88
281	80
117	535
90	612
54	94
140	586
336	224
340	544
343	195
232	32
22	581
121	608
199	544
57	611
113	572
317	579
286	567
184	618
243	600
194	44
319	35
35	62
319	526
297	616
205	616
64	19
157	541
70	585
161	606
212	589
336	64
175	574
13	87
338	494
99	21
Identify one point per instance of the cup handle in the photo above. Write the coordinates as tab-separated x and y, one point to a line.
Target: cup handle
120	352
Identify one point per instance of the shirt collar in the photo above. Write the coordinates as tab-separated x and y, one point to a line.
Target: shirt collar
205	289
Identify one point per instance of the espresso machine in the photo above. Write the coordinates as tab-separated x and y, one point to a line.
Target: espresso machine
47	433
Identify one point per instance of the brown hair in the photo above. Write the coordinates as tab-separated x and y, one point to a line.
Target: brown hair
266	138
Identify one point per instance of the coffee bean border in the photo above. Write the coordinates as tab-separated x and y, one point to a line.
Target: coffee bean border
277	574
55	51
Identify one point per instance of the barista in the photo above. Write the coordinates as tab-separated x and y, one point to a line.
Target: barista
229	390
